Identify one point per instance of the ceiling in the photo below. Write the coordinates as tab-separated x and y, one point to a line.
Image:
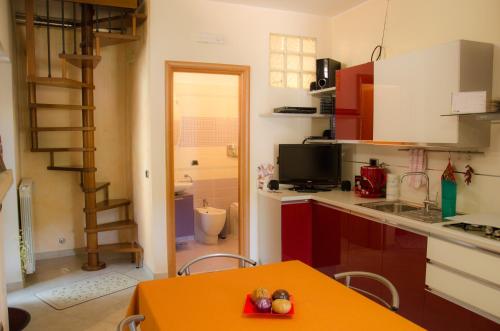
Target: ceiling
317	7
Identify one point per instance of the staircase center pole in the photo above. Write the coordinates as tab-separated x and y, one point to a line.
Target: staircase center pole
89	184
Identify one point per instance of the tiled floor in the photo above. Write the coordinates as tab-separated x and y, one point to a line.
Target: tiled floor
193	249
102	314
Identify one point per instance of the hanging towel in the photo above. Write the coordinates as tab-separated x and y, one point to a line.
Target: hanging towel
418	162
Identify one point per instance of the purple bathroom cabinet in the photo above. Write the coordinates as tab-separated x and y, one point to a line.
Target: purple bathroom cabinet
184	215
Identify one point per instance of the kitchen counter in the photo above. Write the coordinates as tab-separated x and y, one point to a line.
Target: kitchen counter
349	201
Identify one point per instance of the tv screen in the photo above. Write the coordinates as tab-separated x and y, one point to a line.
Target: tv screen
310	164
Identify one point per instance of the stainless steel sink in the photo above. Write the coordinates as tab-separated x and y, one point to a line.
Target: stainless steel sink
406	209
393	207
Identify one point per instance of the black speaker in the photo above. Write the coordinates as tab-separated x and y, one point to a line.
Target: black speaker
325	72
273	185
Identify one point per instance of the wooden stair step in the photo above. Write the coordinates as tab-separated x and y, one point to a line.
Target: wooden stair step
61	106
130	247
59	82
70	168
112	226
108	39
98	186
78	60
101	185
130	4
65	128
139	17
62	149
111	204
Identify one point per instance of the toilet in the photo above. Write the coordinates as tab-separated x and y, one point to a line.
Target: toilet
208	223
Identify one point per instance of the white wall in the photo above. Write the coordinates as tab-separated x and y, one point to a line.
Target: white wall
139	113
8	132
173	25
414	25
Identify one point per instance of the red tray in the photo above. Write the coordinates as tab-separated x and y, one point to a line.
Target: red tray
250	310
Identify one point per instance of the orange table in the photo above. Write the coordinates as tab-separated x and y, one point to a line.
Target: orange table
214	301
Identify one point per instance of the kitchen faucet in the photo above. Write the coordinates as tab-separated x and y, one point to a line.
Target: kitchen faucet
205	203
427	202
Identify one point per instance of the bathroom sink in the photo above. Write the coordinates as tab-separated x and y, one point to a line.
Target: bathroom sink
180	187
211	211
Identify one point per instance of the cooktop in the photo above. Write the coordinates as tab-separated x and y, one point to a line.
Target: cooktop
484	231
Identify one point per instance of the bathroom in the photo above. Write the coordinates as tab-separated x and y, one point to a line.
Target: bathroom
206	167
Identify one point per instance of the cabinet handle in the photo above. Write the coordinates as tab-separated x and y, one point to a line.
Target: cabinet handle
463	274
368	217
406	228
332	207
295	202
465	244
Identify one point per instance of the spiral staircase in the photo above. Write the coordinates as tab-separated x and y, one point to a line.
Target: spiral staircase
91	25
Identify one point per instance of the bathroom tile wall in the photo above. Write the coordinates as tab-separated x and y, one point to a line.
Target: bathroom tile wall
219	193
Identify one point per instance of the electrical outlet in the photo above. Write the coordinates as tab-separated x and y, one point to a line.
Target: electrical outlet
61	240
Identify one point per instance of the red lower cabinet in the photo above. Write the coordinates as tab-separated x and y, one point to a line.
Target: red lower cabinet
330	239
481	323
296	232
365	253
403	263
334	241
443	315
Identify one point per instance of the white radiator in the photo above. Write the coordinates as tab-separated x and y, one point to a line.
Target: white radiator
26	214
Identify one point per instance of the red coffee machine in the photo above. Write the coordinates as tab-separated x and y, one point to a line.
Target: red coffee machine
372	182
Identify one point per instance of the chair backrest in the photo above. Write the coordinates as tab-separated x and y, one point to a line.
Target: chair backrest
185	269
394	305
131	322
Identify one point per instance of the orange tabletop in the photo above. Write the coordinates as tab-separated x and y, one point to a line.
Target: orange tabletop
214	301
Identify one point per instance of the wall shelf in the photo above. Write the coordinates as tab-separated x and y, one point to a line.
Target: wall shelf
289	115
330	91
487	116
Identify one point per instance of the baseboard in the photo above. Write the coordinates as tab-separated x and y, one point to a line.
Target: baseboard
152	275
61	253
11	287
184	239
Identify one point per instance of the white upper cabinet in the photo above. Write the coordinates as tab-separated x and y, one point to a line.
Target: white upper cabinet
412	91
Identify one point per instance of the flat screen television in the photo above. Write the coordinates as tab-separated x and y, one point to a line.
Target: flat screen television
307	166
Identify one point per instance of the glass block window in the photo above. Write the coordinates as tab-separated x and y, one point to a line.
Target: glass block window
292	61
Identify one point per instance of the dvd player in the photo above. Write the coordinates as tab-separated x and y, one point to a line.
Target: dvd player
295	110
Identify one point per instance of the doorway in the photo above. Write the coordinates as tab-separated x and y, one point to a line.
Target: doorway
207	129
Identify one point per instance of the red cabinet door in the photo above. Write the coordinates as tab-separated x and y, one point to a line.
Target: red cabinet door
365	252
443	315
330	239
296	232
481	323
403	263
354	102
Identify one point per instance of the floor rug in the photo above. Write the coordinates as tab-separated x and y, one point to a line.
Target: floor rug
85	290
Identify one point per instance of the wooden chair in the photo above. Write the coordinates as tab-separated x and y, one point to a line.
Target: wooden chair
394	305
131	322
184	270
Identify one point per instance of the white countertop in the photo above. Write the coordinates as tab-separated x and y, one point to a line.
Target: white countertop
5	183
349	201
